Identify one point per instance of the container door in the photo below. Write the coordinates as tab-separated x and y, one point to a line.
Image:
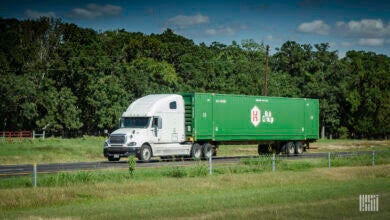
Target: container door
204	116
311	119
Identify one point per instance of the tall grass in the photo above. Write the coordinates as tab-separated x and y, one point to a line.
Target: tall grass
259	164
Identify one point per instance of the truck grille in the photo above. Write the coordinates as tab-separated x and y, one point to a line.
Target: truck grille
117	139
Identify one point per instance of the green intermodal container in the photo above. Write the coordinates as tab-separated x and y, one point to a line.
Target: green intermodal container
239	118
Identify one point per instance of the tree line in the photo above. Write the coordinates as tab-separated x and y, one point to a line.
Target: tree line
67	78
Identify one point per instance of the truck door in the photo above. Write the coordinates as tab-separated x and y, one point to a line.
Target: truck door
155	130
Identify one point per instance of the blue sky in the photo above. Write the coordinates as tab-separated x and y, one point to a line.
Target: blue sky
345	25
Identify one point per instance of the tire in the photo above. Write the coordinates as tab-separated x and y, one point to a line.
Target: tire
112	159
290	148
145	153
207	150
196	151
298	148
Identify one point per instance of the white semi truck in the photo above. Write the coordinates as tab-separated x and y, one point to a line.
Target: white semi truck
195	124
151	126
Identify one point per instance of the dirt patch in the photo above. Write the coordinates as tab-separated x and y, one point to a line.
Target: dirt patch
344	145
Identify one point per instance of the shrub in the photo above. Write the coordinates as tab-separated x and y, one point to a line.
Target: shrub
199	170
132	163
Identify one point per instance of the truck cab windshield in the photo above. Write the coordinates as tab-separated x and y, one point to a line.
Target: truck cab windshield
135	122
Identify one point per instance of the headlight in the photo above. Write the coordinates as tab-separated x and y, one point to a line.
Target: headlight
106	143
132	144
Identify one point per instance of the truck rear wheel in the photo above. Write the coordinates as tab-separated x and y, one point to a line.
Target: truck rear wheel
298	147
290	148
207	150
145	153
196	151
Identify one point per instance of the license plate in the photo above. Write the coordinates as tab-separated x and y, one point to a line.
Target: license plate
116	155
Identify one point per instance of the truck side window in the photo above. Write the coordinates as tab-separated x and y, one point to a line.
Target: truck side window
155	123
172	105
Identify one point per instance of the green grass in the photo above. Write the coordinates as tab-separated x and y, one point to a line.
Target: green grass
307	194
51	150
200	169
55	150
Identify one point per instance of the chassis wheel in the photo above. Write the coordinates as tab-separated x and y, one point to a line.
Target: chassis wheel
207	150
145	153
290	148
298	148
196	151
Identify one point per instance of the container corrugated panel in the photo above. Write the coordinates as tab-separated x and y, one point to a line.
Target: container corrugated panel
221	117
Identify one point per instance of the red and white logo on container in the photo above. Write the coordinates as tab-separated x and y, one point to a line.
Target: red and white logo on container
255	116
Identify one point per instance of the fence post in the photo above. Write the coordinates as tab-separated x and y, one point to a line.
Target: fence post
373	158
328	160
211	163
273	162
33	136
43	136
35	174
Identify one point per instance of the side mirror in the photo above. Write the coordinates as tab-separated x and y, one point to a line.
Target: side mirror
159	122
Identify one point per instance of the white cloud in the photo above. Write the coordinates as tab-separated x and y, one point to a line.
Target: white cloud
186	21
365	28
92	11
31	14
220	31
316	27
211	31
372	42
270	38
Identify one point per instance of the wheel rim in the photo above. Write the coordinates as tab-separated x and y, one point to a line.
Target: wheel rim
290	148
146	154
300	149
197	153
208	153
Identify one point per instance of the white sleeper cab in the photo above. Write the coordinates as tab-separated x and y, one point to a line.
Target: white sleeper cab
151	126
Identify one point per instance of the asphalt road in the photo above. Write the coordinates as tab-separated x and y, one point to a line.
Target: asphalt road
27	169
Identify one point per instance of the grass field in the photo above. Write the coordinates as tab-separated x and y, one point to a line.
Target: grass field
299	189
55	150
236	193
52	150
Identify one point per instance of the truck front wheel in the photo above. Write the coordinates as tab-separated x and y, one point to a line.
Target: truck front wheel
145	153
